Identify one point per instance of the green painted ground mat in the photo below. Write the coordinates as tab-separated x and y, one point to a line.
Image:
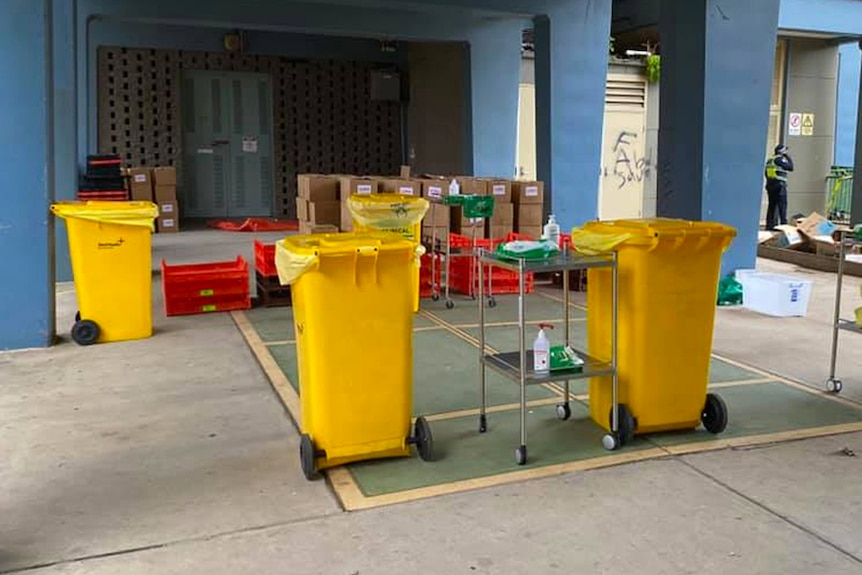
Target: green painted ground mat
762	408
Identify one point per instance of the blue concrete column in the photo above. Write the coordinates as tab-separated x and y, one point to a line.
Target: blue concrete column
65	122
495	70
716	78
27	288
856	207
571	72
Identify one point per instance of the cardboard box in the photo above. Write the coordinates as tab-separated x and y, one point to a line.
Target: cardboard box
532	232
528	215
317	188
501	190
308	228
442	233
164	193
435	188
472	186
499	232
166	176
816	225
168	221
302	209
406	172
438	216
788	238
346	218
324	213
361	186
405	187
141	184
528	192
504	215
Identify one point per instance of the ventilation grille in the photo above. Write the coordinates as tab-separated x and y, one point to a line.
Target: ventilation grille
626	92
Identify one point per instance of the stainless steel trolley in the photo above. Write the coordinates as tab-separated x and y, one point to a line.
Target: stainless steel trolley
833	384
441	279
518	365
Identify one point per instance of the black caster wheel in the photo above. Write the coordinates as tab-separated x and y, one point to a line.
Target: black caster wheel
308	457
492	303
450	304
834	385
564	412
473	297
611	442
435	297
85	332
714	416
423	440
626	427
521	455
483	424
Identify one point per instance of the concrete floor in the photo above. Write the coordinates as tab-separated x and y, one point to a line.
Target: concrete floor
172	455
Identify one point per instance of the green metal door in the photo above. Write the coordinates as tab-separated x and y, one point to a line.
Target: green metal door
227	145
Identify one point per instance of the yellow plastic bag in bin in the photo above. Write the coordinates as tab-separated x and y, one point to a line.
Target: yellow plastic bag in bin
141	214
292	264
592	243
389	213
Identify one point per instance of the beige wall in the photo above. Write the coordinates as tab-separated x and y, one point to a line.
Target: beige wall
812	84
437	113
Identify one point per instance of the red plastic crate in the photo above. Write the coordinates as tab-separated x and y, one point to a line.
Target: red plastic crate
203	288
264	259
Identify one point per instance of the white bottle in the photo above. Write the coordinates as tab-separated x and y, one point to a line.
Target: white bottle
542	352
552	231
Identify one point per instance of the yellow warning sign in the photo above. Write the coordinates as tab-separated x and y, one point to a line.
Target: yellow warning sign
807	124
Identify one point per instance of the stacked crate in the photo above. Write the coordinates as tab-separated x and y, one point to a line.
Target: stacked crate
464	270
205	288
103	180
270	292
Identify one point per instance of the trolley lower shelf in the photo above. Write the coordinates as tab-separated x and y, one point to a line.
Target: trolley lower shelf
509	365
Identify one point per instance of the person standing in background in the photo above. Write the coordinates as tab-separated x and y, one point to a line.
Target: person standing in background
777	169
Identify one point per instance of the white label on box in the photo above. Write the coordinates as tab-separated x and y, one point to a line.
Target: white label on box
169	223
531	191
167	208
206	151
140	178
499	190
406	190
435	191
249	145
364	189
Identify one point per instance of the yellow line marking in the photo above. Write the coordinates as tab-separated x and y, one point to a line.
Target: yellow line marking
427	328
764	439
353	500
740	383
493	409
515	323
277	378
278	343
561	300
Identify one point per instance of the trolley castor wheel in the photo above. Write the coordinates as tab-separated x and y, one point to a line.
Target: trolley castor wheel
77	316
611	442
834	385
86	332
714	416
564	412
450	304
423	440
483	423
492	303
308	457
521	455
626	425
435	297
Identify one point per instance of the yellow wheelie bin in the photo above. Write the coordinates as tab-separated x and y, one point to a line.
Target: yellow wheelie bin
110	249
392	213
668	284
354	342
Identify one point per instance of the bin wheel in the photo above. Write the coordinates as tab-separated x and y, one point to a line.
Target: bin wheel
450	304
308	457
611	442
834	385
492	302
521	455
435	297
77	316
86	332
626	427
714	416
423	439
483	424
564	412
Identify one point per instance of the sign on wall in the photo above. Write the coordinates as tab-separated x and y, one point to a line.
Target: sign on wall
794	125
807	124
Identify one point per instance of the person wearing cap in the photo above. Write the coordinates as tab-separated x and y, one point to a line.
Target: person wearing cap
777	169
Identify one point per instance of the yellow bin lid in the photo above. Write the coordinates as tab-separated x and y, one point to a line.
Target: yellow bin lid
342	244
647	231
126	213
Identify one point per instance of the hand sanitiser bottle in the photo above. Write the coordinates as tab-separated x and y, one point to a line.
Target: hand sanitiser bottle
542	352
552	230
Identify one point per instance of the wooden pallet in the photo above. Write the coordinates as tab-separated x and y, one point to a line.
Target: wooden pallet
270	292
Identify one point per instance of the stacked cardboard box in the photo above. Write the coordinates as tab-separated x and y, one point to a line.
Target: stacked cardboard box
529	198
352	185
460	223
503	222
403	187
317	207
437	221
140	184
165	196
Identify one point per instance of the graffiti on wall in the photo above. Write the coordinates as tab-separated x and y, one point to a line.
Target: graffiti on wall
626	166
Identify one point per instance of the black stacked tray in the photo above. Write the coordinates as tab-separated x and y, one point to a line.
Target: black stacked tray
103	179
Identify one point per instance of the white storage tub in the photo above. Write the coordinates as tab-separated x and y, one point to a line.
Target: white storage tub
774	294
